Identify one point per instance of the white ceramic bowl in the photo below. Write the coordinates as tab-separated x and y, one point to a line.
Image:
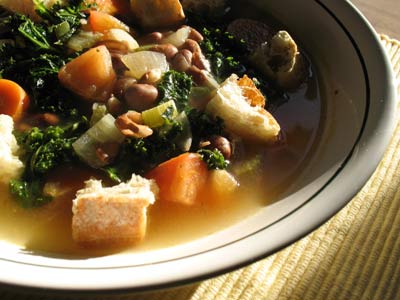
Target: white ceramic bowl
359	93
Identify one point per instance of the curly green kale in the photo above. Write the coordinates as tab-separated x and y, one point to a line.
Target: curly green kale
214	159
175	86
141	155
224	52
31	54
43	150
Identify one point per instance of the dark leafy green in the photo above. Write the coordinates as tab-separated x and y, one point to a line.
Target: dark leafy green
224	53
203	126
43	150
175	86
214	159
140	155
31	54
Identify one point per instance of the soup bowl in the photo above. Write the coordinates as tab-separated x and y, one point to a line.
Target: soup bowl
357	120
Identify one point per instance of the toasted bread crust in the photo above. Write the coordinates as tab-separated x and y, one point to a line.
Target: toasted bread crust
112	216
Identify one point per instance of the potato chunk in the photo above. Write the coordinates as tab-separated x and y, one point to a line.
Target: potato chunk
90	75
157	13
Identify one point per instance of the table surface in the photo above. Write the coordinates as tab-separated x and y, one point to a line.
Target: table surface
384	15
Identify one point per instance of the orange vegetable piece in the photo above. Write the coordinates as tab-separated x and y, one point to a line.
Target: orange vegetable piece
112	7
180	179
101	22
251	92
13	99
90	75
157	13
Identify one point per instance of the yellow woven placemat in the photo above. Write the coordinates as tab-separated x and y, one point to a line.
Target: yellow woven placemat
355	255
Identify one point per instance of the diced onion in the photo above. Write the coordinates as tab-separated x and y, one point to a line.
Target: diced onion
104	131
179	37
139	63
84	40
184	141
121	36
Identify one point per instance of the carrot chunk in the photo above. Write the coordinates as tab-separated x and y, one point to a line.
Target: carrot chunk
112	7
13	99
90	75
101	22
180	179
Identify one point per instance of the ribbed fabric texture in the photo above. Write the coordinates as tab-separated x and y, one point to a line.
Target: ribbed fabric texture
355	255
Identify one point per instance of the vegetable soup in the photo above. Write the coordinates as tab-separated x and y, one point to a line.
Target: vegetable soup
125	131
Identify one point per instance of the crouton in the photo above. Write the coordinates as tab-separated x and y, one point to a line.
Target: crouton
11	166
249	122
112	216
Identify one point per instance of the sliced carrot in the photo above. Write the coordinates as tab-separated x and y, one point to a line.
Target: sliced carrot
180	179
101	22
90	75
13	99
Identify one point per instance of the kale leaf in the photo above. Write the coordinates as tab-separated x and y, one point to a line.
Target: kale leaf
203	126
62	21
43	150
224	52
31	54
214	159
175	86
141	155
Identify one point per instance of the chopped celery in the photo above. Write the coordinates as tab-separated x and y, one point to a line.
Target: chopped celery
99	110
102	133
157	116
184	141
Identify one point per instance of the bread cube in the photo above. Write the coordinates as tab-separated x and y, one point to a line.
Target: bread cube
112	215
11	166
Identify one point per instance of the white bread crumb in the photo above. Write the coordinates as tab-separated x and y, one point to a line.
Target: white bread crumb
11	166
248	122
112	215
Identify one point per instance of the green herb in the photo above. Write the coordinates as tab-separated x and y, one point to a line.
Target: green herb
33	53
43	150
214	159
175	86
203	126
29	194
141	155
224	52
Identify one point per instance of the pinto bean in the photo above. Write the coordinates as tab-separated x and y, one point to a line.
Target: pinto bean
195	35
201	62
182	60
141	96
198	75
191	45
168	49
222	144
152	38
122	85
